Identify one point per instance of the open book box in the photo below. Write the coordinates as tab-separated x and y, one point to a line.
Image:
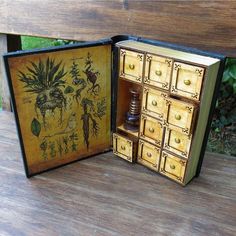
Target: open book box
151	102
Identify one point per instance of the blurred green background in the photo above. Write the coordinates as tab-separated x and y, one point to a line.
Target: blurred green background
222	137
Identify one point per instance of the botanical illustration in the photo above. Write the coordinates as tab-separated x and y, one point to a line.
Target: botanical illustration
63	103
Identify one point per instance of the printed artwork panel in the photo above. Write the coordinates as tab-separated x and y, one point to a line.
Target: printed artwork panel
63	104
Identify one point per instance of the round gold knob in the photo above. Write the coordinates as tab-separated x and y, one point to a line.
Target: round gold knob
177	140
172	166
154	103
122	147
187	82
149	154
151	130
131	66
177	117
158	72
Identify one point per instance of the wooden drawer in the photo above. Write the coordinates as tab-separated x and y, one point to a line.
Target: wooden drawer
187	80
172	167
131	65
177	142
158	71
148	155
151	130
124	147
153	102
179	116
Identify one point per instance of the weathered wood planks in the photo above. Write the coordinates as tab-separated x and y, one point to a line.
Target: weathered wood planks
105	195
204	24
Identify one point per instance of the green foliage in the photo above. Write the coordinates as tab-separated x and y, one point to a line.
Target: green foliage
29	42
222	137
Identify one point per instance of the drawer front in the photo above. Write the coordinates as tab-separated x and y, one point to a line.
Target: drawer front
131	65
148	155
158	71
123	147
179	116
177	142
172	167
151	130
187	80
153	102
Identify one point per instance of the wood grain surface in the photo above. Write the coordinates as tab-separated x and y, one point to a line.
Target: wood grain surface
203	24
105	195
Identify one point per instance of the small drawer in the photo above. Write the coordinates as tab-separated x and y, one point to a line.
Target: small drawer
172	167
187	80
153	102
180	116
158	71
151	130
148	155
177	142
124	147
131	65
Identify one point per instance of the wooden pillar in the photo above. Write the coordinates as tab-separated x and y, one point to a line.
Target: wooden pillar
5	95
8	43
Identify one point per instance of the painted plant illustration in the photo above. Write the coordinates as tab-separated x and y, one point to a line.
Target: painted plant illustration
78	81
91	75
87	117
45	79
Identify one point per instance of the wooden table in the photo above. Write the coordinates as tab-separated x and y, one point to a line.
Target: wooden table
206	25
104	195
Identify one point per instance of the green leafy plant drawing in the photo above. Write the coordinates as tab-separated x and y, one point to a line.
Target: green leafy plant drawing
35	127
45	79
77	79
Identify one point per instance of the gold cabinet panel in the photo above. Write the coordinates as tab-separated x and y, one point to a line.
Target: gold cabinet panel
148	155
158	71
123	147
151	130
177	142
173	167
153	102
131	65
187	80
180	115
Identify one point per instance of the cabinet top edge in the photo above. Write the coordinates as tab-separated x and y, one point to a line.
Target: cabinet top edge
168	52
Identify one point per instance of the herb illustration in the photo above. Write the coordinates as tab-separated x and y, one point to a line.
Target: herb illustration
45	80
101	108
70	126
43	147
52	149
59	147
65	141
86	117
73	139
77	79
35	127
91	75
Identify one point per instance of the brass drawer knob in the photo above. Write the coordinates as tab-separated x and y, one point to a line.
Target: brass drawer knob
177	140
158	72
149	154
172	166
122	148
151	130
187	82
131	66
177	117
154	103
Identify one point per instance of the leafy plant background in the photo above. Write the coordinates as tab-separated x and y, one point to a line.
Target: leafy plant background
222	138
